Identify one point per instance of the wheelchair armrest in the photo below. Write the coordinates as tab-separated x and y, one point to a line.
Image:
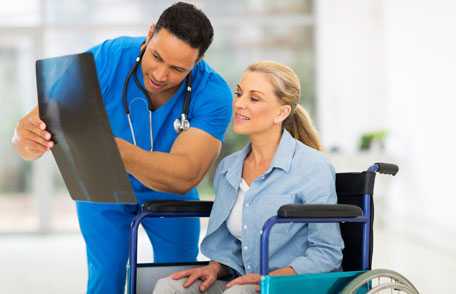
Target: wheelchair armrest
319	211
167	206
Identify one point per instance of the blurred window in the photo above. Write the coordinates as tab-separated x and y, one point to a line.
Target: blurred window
245	31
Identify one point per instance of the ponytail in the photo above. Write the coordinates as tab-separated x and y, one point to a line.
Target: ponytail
288	90
300	126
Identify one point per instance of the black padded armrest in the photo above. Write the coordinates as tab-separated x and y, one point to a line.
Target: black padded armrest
193	206
319	211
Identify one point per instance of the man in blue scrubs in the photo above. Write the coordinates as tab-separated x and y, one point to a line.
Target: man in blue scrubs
175	164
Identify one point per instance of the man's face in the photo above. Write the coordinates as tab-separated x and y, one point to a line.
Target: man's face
166	62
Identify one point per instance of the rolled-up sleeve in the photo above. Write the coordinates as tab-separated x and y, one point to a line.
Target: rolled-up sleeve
323	249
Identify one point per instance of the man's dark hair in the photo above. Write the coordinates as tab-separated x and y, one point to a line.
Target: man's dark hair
189	24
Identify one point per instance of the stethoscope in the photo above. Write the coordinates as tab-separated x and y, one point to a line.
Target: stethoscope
180	124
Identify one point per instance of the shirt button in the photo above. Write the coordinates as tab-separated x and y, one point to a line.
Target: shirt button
245	227
261	232
247	204
248	266
245	247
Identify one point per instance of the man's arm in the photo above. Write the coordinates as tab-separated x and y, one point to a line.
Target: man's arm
183	168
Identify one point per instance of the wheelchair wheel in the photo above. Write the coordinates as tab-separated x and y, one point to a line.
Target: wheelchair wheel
380	281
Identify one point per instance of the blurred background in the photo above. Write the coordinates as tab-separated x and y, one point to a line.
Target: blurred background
377	76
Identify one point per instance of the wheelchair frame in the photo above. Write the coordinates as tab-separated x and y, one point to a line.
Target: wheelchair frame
292	213
356	216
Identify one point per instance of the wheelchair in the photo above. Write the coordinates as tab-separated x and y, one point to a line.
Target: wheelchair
354	212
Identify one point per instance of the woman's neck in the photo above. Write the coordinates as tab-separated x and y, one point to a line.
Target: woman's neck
264	146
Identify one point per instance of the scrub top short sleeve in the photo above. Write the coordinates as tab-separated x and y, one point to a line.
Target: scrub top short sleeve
213	113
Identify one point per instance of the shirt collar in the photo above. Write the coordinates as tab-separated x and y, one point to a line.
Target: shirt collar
285	152
233	167
282	159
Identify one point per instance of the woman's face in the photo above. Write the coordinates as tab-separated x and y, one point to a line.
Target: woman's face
256	108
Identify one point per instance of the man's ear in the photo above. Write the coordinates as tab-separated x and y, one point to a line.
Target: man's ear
284	112
149	36
150	33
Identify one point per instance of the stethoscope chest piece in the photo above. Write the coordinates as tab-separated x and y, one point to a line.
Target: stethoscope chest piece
181	124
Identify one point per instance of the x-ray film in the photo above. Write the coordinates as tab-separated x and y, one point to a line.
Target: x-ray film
71	105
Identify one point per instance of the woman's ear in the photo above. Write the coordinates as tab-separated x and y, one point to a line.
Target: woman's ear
284	112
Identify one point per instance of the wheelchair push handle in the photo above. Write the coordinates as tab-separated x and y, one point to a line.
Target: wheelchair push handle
384	168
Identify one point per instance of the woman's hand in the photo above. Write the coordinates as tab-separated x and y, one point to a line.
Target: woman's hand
245	280
284	271
255	278
207	274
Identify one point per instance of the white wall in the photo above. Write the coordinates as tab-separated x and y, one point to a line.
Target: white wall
420	51
392	64
350	70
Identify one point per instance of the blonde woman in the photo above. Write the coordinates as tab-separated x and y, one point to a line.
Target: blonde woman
282	164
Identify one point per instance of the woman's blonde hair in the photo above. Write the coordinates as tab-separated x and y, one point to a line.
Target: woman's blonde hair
288	89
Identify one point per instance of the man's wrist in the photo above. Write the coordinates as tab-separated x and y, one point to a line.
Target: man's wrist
129	156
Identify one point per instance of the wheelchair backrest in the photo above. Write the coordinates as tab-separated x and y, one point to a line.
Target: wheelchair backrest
352	188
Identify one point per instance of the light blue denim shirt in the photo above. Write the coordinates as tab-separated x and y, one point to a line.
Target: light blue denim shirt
298	174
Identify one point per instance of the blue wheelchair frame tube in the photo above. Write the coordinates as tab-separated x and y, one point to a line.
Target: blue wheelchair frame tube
134	241
366	231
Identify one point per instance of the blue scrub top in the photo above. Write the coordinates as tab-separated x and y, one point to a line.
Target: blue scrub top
210	107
